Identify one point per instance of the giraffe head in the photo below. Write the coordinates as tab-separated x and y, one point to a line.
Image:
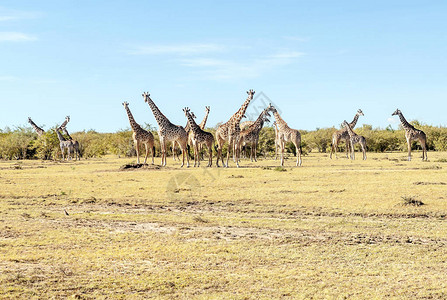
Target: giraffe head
146	96
272	108
360	112
396	112
265	117
345	123
186	110
125	104
29	120
250	94
67	118
207	109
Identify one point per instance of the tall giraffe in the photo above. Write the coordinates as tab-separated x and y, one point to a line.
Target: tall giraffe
230	131
251	133
203	123
168	132
64	144
140	136
202	126
277	141
354	138
342	134
75	143
199	137
187	129
412	134
38	130
286	134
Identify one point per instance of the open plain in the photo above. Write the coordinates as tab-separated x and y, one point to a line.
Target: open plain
331	228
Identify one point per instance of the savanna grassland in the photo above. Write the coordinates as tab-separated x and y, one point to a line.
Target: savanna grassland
332	228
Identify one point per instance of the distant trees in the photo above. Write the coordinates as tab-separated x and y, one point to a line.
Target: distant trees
23	143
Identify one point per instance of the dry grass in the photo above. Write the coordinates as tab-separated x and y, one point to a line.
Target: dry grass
332	228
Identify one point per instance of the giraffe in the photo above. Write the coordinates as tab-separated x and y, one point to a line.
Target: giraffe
230	131
354	138
38	130
199	137
140	136
251	133
242	149
202	126
187	129
412	134
203	123
342	134
286	134
168	132
64	144
277	141
75	143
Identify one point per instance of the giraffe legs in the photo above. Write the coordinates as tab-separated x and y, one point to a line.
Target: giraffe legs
228	155
236	153
282	152
184	148
348	145
163	152
424	149
63	153
210	152
364	151
352	150
147	152
409	149
137	149
298	154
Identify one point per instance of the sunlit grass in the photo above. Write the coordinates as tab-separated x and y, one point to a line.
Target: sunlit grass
329	228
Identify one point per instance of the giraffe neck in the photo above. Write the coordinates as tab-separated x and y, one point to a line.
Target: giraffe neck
405	124
192	124
60	136
237	117
280	123
354	121
187	127
203	123
38	130
159	117
64	124
258	123
350	131
132	121
68	135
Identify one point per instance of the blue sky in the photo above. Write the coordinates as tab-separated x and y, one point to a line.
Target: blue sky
318	61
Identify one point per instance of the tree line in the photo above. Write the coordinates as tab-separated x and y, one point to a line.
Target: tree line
23	142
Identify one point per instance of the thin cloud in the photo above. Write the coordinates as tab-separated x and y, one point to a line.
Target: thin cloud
7	18
16	37
8	78
287	55
295	38
220	69
182	50
12	15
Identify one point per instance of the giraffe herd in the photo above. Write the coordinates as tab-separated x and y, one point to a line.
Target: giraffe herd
66	144
233	133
